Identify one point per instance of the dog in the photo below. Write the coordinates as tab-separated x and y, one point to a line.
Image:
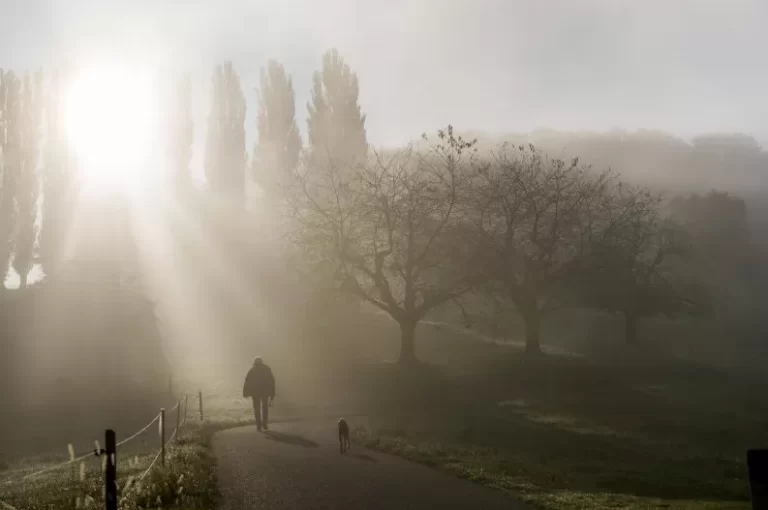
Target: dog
343	435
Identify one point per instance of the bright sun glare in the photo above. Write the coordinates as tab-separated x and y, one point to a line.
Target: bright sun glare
110	117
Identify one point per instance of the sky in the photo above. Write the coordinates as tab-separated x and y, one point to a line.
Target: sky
683	66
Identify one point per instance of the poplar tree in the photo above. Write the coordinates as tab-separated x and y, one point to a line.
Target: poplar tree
277	149
225	157
336	124
59	183
10	157
28	184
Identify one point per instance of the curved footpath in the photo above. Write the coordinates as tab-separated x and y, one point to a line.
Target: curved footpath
298	466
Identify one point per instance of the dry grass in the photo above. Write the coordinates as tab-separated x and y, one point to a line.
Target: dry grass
187	481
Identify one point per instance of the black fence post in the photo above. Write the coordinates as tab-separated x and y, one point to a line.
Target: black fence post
110	474
178	420
200	396
757	465
162	437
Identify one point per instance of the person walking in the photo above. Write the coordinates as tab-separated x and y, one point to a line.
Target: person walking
260	386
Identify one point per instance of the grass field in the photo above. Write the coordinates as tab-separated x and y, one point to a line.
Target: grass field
568	433
564	432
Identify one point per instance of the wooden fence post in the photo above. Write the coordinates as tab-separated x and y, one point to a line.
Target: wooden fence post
200	396
178	420
162	437
170	385
73	471
186	406
110	474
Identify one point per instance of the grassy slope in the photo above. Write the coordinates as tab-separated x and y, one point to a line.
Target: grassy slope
570	433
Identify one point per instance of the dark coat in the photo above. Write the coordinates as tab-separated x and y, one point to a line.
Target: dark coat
259	382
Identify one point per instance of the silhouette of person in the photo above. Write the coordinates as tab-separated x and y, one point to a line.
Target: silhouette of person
260	386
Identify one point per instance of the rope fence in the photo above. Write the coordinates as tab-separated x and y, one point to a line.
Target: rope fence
133	482
137	434
109	455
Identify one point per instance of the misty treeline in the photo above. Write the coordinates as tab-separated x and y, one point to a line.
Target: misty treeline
443	222
412	230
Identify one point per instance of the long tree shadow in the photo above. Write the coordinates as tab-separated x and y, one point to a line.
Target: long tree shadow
290	439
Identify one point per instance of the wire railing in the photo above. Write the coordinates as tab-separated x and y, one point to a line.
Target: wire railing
109	455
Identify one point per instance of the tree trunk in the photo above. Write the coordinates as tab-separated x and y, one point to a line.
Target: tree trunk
532	325
630	328
407	346
22	281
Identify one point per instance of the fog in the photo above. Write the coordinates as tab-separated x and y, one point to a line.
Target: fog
684	67
461	220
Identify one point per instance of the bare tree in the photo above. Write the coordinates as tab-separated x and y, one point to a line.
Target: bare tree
391	230
635	270
723	255
535	218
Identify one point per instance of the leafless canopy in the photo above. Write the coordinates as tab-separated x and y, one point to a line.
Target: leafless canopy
391	230
536	219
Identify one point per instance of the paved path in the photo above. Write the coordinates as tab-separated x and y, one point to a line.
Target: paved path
297	466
